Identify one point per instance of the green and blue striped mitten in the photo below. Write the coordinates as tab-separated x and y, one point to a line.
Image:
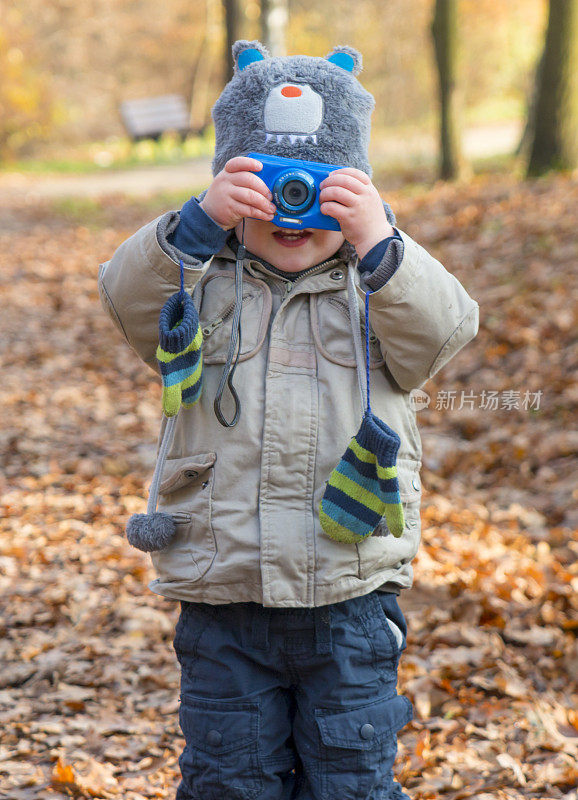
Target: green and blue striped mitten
364	487
180	360
179	353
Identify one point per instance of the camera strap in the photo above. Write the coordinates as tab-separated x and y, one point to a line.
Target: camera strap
356	329
228	371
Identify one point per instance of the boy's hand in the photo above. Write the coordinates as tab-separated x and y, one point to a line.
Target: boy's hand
350	197
236	193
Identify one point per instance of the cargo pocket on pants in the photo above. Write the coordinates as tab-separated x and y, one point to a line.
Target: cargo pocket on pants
359	746
221	757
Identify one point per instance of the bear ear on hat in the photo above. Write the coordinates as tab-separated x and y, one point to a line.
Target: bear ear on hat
348	58
245	53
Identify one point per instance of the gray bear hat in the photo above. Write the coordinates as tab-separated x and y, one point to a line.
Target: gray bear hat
299	106
303	107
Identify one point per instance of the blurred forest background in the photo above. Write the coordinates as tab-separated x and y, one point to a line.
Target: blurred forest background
67	66
474	146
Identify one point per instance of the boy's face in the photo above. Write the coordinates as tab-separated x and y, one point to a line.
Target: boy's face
288	249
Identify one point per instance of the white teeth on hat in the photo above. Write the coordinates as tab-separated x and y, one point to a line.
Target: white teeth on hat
293	137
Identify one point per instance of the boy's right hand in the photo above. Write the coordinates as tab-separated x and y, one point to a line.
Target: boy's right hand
236	193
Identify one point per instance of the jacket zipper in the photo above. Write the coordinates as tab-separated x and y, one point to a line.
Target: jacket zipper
208	329
217	321
290	284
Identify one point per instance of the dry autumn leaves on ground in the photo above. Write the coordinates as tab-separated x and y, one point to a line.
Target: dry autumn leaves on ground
89	680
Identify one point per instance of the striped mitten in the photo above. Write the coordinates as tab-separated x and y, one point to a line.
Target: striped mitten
179	353
180	360
364	486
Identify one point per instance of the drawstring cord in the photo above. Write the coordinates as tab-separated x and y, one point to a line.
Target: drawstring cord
356	330
165	446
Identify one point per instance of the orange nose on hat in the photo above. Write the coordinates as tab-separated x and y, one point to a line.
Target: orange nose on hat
291	91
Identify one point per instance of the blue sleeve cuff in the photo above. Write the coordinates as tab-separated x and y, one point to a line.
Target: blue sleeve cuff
380	263
197	234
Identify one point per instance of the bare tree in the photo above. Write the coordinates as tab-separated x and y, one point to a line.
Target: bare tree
205	69
444	32
233	32
274	16
554	140
523	148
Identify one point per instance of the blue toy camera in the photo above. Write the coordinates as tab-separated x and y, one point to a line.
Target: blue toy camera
294	185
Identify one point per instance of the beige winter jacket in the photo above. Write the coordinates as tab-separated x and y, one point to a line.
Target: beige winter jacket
246	498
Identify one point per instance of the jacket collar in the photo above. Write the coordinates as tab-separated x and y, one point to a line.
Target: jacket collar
255	264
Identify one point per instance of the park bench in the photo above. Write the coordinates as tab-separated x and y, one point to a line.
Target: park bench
149	117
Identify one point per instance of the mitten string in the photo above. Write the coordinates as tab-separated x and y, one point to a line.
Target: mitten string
368	410
364	486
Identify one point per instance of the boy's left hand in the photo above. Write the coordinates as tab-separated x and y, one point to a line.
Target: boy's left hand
350	197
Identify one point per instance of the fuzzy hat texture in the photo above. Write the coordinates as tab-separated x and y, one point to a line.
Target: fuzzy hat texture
294	106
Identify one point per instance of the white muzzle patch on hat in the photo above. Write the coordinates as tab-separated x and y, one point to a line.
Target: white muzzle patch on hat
293	111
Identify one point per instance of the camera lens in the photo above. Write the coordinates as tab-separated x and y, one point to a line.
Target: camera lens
295	193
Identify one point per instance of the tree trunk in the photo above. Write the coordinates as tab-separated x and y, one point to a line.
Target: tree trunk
555	135
204	70
444	31
523	148
274	16
233	32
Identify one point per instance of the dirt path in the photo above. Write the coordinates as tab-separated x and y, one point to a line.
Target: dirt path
137	182
389	152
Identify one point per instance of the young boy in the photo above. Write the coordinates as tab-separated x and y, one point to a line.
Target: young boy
288	639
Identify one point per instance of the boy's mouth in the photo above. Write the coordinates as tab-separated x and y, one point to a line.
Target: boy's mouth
291	238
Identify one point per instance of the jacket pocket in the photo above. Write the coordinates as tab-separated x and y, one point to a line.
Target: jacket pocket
358	747
410	492
331	325
217	306
186	493
221	759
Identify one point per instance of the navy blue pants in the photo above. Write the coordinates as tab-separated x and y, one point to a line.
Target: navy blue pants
291	703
